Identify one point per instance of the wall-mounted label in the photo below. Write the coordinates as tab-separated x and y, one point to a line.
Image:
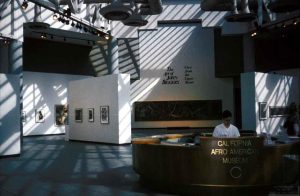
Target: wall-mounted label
188	75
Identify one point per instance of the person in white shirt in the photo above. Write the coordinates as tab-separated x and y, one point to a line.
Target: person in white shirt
226	129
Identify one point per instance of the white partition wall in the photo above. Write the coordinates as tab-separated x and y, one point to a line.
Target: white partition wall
274	90
41	92
10	129
110	92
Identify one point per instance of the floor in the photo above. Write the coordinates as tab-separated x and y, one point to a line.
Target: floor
51	166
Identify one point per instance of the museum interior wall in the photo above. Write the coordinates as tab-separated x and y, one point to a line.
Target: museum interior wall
265	98
177	64
45	93
10	126
99	109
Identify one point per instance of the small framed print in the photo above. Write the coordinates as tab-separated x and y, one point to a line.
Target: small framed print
91	114
23	117
263	108
61	115
39	116
78	115
104	114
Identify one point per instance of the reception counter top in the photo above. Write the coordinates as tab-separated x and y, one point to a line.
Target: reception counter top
175	163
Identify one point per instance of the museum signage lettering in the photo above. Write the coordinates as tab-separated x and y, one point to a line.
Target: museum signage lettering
233	151
170	77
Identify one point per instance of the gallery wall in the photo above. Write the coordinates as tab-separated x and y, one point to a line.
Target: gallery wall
185	52
275	90
41	92
110	92
10	127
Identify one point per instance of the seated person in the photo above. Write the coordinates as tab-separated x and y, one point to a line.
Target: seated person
226	129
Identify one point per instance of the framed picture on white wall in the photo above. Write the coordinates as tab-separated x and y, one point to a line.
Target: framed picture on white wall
78	115
104	114
263	108
61	115
91	114
39	116
23	117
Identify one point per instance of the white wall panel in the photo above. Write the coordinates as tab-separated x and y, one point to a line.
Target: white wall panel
110	90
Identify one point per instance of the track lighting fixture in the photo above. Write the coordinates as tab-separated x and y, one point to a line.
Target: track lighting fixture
24	5
253	34
43	36
5	41
67	12
55	16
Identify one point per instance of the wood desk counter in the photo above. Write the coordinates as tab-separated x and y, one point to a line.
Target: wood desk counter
215	162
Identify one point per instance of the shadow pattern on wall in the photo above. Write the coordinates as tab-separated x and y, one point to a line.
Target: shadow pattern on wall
178	110
129	61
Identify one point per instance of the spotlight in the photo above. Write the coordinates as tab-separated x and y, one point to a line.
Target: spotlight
253	34
24	5
55	17
67	12
43	36
5	41
106	37
67	22
73	24
62	20
295	22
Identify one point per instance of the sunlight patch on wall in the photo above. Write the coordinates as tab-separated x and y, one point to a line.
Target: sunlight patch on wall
275	90
172	39
143	89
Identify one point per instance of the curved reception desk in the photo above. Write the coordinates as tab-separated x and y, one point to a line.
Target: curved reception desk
215	165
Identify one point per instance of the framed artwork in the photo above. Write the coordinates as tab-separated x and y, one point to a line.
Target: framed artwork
104	114
263	108
91	114
78	115
278	111
39	116
23	116
61	115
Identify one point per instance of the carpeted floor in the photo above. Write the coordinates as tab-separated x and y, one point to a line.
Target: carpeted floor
49	165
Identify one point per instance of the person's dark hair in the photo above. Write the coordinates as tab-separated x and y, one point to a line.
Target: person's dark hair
226	114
